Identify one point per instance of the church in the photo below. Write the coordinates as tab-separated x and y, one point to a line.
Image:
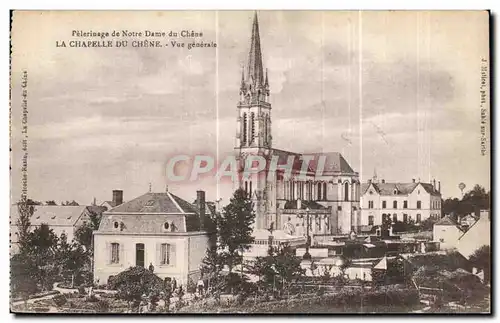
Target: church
286	201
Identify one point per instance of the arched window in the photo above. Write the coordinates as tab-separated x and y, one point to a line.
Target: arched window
252	127
245	129
324	191
265	129
346	191
395	204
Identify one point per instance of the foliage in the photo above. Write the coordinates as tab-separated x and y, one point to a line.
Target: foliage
68	203
22	278
454	285
233	230
60	300
83	234
450	261
347	300
135	282
51	202
278	269
472	201
102	306
234	227
428	224
481	258
25	212
43	258
212	266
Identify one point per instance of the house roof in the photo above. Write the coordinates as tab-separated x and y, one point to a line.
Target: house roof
146	223
446	220
334	161
165	202
110	203
53	215
481	225
398	188
149	212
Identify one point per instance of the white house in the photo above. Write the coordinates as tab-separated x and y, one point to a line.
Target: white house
158	229
447	232
413	201
477	236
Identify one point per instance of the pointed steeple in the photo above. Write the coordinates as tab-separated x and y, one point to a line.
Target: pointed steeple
254	68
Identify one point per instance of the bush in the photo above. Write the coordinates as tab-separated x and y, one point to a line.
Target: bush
60	300
92	299
102	306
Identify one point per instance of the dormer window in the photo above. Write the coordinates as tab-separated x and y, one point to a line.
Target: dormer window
116	225
395	191
166	226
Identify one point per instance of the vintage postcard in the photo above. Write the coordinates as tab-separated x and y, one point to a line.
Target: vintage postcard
250	162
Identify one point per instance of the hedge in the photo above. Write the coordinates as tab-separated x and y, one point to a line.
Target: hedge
349	299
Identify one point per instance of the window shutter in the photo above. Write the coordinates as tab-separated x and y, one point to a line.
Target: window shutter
173	259
121	254
158	255
108	253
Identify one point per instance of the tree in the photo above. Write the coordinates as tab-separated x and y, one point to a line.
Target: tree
22	276
471	202
51	202
25	211
475	200
72	259
481	258
83	234
68	203
234	227
42	248
212	266
278	270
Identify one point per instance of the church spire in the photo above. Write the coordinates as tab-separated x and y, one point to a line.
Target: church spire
254	69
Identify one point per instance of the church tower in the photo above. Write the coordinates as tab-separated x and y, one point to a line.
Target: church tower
253	133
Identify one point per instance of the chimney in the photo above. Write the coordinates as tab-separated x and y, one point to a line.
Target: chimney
434	184
200	203
117	197
439	186
484	214
383	181
413	180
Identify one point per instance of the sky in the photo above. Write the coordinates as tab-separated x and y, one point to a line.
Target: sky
397	93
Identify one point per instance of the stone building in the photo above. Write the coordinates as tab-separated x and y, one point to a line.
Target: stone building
336	191
407	202
158	229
